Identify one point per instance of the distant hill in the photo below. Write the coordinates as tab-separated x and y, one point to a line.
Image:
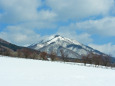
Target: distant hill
8	46
10	49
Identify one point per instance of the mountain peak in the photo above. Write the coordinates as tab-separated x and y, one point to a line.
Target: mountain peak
56	43
57	36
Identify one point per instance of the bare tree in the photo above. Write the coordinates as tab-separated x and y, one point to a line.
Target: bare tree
19	53
95	59
43	55
92	59
26	53
63	55
7	53
106	60
53	56
34	55
84	59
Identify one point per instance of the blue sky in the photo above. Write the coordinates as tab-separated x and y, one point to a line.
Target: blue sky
91	22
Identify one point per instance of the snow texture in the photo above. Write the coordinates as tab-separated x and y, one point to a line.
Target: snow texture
26	72
56	43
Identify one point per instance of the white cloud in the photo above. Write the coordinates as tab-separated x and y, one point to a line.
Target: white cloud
105	26
74	9
27	10
20	36
70	32
47	15
19	10
106	48
38	25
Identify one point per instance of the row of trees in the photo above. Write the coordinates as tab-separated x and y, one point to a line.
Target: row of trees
24	53
4	51
104	60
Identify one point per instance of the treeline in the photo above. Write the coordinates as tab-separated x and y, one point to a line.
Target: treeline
94	59
23	53
32	54
104	60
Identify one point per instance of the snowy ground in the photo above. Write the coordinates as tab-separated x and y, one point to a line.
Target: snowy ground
25	72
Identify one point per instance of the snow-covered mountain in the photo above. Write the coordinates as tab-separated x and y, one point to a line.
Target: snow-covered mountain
71	48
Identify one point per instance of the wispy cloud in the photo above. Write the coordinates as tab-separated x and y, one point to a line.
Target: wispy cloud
75	9
70	31
104	26
20	35
106	48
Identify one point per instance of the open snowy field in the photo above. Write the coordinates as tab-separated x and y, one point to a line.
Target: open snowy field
26	72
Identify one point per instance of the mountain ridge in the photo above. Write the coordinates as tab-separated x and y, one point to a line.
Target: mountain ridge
72	48
9	49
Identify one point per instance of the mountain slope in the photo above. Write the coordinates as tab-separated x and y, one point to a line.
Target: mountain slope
6	45
71	48
10	49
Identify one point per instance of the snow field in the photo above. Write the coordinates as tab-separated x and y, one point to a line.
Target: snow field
26	72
